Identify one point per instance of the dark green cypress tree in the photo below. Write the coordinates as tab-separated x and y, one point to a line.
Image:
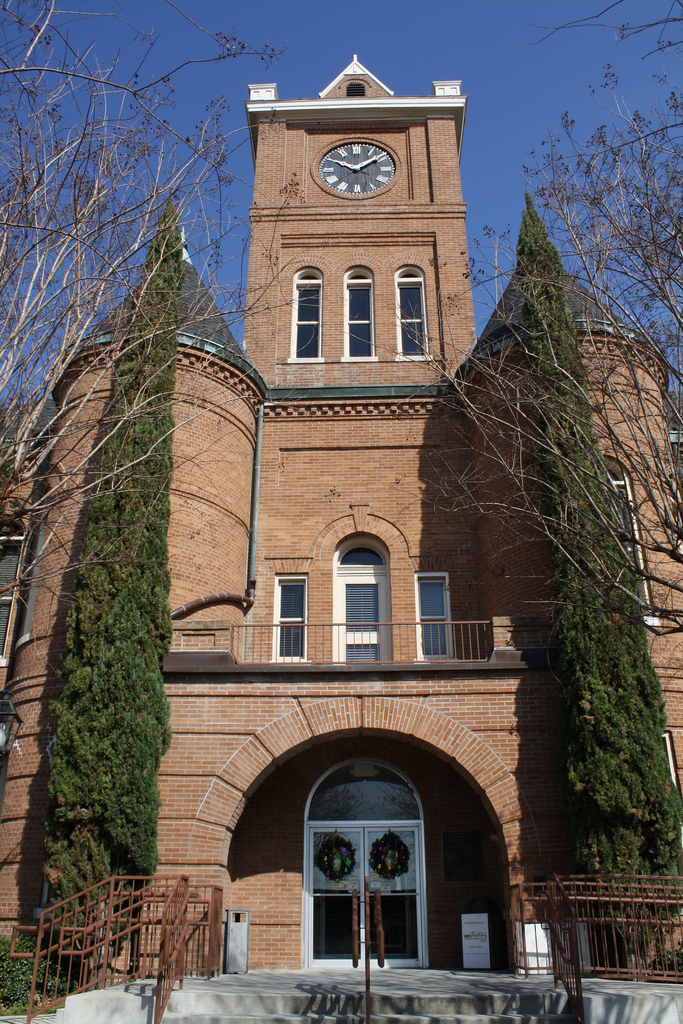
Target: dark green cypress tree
113	715
623	811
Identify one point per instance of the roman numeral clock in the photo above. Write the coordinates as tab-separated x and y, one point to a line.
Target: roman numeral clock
356	169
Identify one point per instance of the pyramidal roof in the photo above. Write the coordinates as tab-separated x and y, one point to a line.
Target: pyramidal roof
200	322
506	323
354	69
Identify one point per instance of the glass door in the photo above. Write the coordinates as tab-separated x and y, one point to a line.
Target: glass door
332	898
399	896
329	898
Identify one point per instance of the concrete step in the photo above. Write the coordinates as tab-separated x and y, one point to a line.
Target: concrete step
171	1017
222	1007
387	1008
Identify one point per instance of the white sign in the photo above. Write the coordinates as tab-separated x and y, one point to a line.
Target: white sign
476	950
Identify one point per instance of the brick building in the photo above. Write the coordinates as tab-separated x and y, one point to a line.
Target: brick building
389	668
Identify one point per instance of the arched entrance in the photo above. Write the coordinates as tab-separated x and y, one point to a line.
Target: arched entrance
349	811
268	856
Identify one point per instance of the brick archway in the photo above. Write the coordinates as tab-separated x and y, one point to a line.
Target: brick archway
315	720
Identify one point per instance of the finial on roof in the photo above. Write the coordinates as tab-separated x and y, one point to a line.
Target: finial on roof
186	254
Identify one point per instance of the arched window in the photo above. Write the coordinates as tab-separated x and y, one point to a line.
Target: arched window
410	313
626	521
361	603
355	89
359	334
307	334
10	555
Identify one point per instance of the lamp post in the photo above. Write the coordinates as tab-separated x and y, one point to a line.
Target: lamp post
9	723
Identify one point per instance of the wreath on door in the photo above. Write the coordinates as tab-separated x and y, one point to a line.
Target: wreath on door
335	857
389	855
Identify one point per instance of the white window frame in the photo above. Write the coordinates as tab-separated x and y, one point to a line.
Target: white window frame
379	574
9	598
410	276
621	483
308	277
281	622
442	577
670	751
359	277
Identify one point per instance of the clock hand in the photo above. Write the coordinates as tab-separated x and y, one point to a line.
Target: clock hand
372	160
343	163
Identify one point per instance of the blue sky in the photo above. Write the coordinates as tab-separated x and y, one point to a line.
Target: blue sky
518	84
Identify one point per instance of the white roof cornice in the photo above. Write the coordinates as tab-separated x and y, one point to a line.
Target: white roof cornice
368	108
353	69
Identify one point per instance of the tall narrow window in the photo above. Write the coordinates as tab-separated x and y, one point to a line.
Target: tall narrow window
624	509
360	342
361	605
434	631
10	551
308	310
291	632
412	333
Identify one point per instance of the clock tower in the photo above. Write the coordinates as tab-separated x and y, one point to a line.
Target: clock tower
358	271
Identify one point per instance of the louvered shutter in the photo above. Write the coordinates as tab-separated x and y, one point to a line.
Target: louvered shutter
362	602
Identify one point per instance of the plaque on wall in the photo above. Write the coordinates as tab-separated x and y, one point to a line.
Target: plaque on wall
463	860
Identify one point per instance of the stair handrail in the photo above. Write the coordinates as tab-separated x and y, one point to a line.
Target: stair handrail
174	926
562	927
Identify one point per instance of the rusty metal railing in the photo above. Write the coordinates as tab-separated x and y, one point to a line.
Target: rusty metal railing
367	934
531	942
629	926
113	932
203	945
361	643
561	922
172	946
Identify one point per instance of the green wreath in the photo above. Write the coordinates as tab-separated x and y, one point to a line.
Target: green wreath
335	857
389	856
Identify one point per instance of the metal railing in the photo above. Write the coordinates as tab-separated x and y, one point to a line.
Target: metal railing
122	929
360	643
172	944
373	921
203	946
561	923
531	942
629	926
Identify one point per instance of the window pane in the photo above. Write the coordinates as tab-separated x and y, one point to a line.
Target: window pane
411	339
362	602
360	342
380	795
4	620
309	303
9	561
307	341
411	303
292	641
359	303
291	600
361	556
432	603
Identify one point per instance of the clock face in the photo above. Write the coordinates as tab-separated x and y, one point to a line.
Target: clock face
357	169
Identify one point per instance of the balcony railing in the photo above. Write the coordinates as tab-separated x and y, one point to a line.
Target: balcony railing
361	643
